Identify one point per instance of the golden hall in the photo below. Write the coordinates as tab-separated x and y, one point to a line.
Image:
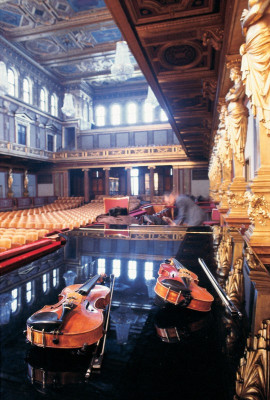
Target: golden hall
108	108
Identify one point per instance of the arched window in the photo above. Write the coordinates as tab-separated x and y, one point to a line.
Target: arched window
148	270
101	266
163	116
147	112
45	283
43	99
54	105
132	113
116	114
100	115
55	277
12	82
27	91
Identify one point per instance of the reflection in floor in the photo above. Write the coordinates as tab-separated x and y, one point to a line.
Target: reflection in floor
151	352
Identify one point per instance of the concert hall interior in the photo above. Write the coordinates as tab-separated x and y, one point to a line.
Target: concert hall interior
106	106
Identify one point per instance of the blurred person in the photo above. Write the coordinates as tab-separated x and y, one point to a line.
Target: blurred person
187	212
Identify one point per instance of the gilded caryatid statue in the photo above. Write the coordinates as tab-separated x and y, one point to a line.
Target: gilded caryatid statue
10	183
256	58
25	181
10	178
237	115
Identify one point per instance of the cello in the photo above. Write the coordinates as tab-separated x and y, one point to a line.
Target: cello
76	321
179	286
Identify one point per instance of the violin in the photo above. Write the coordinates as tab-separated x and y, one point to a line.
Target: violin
179	286
76	321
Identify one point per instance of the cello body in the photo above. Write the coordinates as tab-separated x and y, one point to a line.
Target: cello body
179	286
75	321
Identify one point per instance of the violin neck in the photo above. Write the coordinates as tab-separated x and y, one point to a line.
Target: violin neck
178	264
88	285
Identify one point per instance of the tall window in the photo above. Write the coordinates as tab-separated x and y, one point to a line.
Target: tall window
54	105
163	116
116	114
27	89
147	112
132	269
100	115
55	277
12	82
132	113
43	99
148	270
15	300
29	291
50	144
134	174
45	283
101	266
116	268
22	134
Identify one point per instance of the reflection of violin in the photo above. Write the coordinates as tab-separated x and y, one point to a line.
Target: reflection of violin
179	286
173	325
75	321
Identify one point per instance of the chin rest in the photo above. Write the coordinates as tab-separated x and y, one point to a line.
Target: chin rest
44	320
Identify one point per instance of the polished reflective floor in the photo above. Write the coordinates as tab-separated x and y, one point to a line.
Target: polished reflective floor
151	352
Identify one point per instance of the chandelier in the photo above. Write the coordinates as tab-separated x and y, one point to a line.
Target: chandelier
68	107
151	98
3	79
122	68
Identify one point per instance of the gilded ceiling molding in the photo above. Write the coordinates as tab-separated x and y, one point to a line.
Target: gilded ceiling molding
214	37
253	375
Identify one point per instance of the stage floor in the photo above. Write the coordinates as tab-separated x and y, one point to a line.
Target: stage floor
198	362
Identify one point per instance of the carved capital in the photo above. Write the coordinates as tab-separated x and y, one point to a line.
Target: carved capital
209	88
237	199
214	37
258	208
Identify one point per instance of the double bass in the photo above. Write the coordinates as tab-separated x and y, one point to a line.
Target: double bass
76	321
179	286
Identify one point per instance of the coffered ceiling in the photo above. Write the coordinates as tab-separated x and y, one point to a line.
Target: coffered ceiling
181	46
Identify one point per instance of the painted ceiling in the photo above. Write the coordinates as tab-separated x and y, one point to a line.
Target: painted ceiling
73	39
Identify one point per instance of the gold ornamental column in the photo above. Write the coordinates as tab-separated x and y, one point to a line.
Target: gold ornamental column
10	183
236	123
128	169
107	181
256	76
176	179
86	185
225	155
151	182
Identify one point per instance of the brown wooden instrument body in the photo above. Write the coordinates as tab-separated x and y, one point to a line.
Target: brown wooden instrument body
82	326
201	299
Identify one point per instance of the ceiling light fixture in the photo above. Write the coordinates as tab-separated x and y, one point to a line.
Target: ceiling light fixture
68	107
122	68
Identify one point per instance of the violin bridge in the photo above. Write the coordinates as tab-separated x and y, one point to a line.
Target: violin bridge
167	294
178	297
43	338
